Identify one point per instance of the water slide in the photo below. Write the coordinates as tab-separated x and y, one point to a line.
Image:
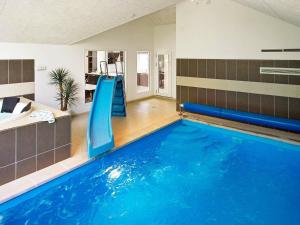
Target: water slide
100	136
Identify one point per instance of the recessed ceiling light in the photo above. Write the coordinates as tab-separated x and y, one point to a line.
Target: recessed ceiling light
197	2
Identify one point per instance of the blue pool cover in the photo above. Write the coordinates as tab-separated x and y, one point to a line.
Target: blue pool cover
252	118
187	174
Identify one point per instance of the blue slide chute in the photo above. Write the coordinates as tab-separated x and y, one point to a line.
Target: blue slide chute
99	134
268	121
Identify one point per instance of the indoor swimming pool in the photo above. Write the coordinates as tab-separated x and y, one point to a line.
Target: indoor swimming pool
186	173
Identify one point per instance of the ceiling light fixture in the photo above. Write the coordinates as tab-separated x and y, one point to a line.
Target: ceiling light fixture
197	2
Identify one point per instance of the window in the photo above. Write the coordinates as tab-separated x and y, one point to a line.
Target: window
143	71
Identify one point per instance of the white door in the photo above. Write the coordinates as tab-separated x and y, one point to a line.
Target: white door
163	74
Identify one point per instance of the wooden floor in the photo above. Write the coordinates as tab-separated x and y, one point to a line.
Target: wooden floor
142	117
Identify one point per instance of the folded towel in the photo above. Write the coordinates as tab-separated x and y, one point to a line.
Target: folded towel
43	115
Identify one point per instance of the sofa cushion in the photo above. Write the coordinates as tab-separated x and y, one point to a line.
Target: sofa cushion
9	104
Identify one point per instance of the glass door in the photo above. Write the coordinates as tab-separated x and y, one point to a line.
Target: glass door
162	75
143	71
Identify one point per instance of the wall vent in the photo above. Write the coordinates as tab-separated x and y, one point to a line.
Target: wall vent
280	71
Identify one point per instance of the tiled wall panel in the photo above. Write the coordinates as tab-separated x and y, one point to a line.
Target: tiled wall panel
14	71
254	103
240	70
30	148
243	70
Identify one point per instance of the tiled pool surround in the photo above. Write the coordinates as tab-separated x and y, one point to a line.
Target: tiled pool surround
32	147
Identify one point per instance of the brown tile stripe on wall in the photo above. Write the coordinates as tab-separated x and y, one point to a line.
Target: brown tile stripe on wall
254	103
242	70
30	148
16	71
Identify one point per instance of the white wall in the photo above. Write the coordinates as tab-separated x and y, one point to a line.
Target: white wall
225	29
131	37
139	35
50	56
165	41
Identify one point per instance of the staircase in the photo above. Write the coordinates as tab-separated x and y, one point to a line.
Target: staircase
119	99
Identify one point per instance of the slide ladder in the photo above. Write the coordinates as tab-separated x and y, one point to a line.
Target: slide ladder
119	100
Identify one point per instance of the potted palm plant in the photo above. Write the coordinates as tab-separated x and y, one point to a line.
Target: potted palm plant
66	86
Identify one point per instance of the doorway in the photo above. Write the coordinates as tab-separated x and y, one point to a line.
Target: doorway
163	72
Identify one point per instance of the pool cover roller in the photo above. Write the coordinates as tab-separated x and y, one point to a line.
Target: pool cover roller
252	118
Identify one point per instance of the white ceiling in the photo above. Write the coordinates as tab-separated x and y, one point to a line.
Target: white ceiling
287	10
69	21
164	16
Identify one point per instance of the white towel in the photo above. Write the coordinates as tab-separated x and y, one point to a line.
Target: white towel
43	115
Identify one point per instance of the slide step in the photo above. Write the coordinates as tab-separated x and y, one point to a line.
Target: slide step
118	101
119	93
118	108
118	114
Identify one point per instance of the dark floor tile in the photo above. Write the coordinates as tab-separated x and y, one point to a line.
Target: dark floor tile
254	103
221	98
28	70
45	137
294	64
267	103
30	97
281	107
294	79
281	79
26	142
184	67
281	63
178	102
193	68
44	160
242	101
221	69
62	153
7	174
15	71
231	69
254	70
211	68
243	70
294	108
193	95
231	100
202	68
267	78
201	96
184	94
3	71
211	97
178	67
62	131
7	148
26	166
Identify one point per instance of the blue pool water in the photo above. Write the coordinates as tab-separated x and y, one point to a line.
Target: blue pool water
186	173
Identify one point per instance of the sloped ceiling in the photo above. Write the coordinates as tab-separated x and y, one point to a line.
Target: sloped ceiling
287	10
164	16
69	21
